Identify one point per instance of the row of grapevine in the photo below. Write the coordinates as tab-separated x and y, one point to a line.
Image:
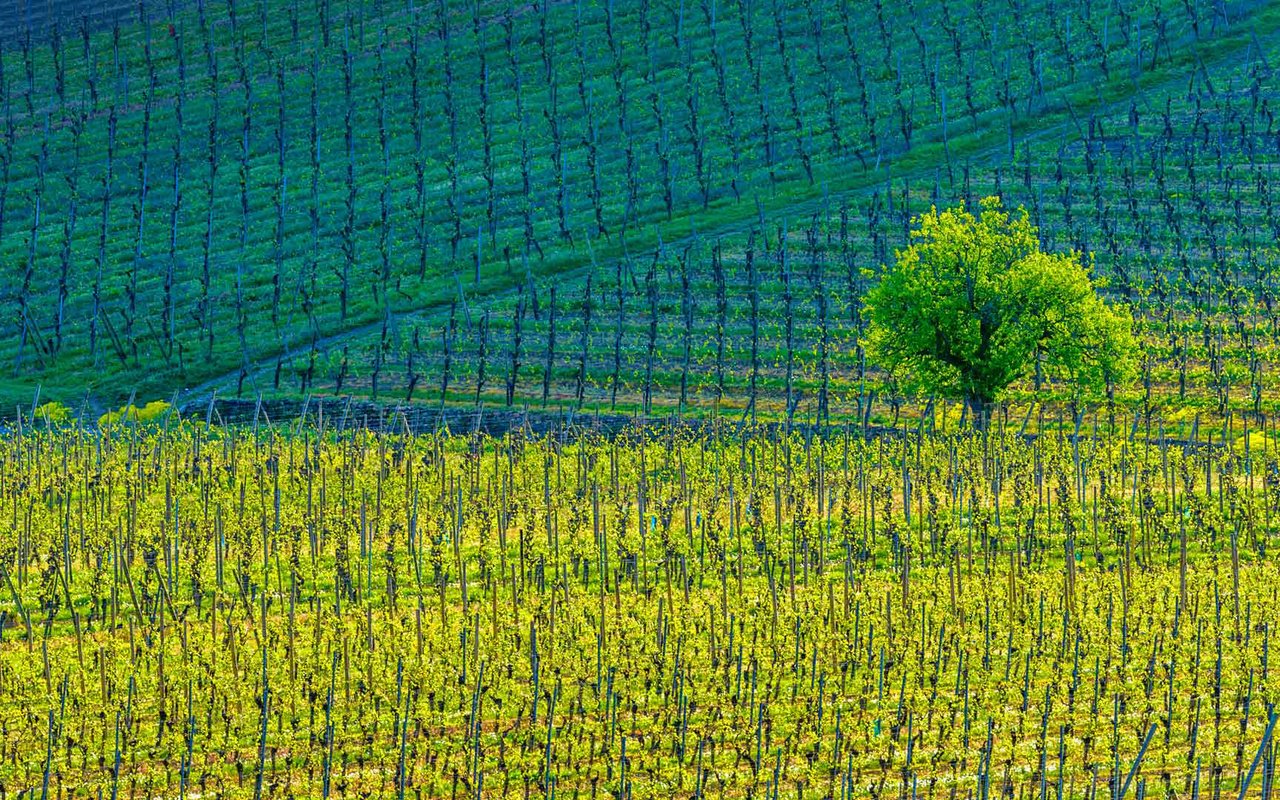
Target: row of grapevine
232	183
201	610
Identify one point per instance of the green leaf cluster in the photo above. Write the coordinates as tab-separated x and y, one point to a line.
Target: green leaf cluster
974	304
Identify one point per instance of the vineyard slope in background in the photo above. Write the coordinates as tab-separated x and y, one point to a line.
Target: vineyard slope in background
441	399
610	207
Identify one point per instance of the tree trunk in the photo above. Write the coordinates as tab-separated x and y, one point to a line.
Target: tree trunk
979	408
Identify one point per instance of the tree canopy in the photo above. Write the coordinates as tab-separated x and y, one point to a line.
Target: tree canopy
974	304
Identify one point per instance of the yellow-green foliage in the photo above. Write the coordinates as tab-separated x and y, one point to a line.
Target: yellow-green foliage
532	609
54	413
1256	443
128	412
151	412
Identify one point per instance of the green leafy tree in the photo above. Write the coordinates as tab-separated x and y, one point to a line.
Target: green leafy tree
974	304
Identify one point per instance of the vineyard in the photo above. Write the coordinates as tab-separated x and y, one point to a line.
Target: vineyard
307	611
610	208
433	399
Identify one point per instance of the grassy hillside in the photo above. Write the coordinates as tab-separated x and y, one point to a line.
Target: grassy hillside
290	197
